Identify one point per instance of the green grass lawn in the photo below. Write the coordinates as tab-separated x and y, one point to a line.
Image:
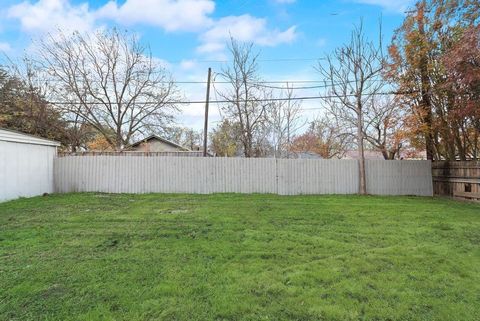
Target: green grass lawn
238	257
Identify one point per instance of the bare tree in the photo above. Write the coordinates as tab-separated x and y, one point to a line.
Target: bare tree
77	133
384	126
184	136
111	82
284	121
351	74
247	102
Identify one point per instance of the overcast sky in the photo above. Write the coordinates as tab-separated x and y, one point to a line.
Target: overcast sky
190	35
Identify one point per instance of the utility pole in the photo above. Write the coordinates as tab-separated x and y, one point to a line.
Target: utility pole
205	127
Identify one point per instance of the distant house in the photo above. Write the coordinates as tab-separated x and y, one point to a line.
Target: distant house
376	154
154	143
369	154
305	155
413	154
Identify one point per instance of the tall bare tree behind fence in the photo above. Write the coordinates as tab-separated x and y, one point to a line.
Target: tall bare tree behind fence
238	175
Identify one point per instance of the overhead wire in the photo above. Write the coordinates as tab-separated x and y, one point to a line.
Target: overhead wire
260	82
326	84
233	101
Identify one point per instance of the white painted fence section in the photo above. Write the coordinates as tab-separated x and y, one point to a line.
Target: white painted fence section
139	174
26	165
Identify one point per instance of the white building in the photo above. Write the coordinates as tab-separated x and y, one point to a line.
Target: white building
26	165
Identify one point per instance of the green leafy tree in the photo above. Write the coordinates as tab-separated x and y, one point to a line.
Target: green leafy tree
224	139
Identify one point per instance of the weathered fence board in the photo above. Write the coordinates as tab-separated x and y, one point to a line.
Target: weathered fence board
238	175
457	179
411	177
308	176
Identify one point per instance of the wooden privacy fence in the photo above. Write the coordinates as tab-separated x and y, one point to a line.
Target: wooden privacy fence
238	175
457	178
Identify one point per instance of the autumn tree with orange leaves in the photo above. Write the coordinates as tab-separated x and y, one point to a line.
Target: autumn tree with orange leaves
463	80
323	137
427	59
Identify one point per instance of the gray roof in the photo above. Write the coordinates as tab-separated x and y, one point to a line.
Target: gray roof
9	135
163	140
308	155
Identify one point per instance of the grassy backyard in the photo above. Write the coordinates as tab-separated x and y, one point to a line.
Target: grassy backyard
238	257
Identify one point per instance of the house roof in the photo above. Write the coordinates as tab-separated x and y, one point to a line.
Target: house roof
307	155
156	137
14	136
369	154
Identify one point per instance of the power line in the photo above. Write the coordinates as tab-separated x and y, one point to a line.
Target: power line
326	85
233	101
260	82
173	81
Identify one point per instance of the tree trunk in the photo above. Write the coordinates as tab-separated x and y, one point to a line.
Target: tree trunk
460	147
425	95
385	153
361	154
475	138
118	144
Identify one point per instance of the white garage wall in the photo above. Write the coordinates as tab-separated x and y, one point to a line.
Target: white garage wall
26	169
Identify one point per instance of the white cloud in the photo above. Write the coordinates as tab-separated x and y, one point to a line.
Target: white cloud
191	70
321	42
160	62
171	15
5	47
47	15
41	16
188	64
243	28
391	5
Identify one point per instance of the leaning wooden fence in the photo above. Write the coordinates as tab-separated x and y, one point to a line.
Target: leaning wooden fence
459	179
238	175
